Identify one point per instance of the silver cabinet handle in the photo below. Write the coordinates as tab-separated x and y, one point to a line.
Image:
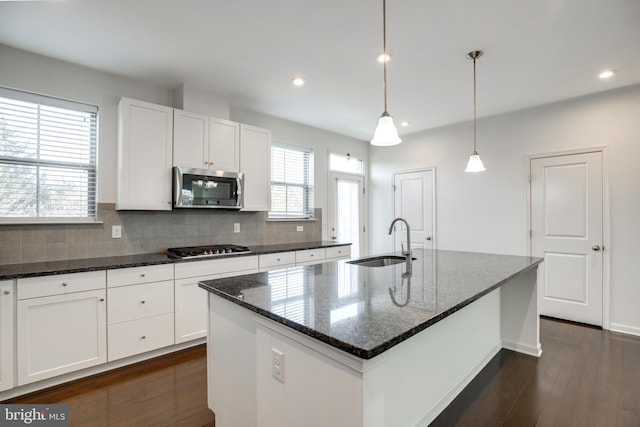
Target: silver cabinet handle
142	302
6	292
143	337
428	237
595	248
64	283
143	275
101	299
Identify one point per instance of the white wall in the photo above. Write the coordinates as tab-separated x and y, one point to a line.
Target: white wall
321	141
35	73
486	212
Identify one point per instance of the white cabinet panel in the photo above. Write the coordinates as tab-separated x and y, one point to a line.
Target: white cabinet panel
139	301
277	260
139	336
60	334
310	256
135	275
216	266
190	140
145	141
338	252
255	163
59	284
191	309
224	145
7	304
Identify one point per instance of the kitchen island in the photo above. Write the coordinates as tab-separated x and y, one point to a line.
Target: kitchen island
346	344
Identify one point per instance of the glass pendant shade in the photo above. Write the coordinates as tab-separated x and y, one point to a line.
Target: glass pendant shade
475	164
386	133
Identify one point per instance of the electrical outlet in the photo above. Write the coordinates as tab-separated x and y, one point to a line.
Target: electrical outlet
277	364
300	228
116	231
236	227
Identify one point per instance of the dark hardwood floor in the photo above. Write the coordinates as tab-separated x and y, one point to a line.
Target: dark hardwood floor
585	377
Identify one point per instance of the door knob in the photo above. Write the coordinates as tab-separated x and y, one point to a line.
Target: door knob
595	247
428	237
333	237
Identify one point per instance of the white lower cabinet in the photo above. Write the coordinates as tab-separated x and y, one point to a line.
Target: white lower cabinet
191	300
277	260
140	310
60	333
7	303
310	256
334	253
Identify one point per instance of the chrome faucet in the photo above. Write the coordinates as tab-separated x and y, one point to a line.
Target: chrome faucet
407	252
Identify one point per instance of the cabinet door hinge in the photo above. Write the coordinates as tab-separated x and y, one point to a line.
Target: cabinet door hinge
362	190
530	178
394	187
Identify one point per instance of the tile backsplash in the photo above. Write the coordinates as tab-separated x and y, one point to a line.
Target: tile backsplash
147	232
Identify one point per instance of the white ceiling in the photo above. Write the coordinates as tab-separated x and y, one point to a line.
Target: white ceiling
536	52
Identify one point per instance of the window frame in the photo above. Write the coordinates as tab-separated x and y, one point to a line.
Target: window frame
37	162
308	186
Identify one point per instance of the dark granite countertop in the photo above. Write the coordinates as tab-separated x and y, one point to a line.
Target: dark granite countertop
34	269
367	310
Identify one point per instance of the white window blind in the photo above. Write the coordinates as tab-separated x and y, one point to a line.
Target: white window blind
48	158
291	182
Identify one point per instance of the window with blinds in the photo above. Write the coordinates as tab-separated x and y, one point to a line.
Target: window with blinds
291	182
48	158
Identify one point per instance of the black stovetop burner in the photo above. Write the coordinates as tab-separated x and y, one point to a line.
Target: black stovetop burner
206	251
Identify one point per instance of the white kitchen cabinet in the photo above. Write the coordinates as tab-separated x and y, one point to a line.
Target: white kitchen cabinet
277	260
310	256
141	310
255	163
224	145
190	140
204	142
334	253
145	141
7	303
60	331
191	300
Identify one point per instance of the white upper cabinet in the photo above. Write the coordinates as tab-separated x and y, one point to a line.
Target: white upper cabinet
145	140
224	145
255	163
203	142
190	140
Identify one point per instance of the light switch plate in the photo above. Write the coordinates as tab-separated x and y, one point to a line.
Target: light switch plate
116	231
277	364
236	227
300	228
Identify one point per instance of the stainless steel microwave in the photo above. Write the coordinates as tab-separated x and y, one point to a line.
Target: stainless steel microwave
201	188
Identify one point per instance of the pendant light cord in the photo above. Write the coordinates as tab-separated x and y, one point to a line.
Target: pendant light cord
384	52
474	106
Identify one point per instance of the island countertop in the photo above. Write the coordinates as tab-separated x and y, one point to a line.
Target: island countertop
365	311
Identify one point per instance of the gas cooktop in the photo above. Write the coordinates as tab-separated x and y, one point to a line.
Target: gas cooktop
206	251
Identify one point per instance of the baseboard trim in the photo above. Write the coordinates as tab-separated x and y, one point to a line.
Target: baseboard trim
525	349
631	330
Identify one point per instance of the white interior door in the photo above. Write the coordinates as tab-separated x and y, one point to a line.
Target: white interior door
567	231
414	201
346	221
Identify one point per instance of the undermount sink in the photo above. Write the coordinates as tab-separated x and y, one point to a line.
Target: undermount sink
379	261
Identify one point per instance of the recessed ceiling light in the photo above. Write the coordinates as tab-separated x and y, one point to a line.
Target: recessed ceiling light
297	81
384	57
606	74
404	124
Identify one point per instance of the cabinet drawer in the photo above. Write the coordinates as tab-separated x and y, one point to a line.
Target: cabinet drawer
280	259
310	255
135	275
216	266
338	252
60	284
137	301
139	336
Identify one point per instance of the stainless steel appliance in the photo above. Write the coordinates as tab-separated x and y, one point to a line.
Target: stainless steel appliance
206	251
200	188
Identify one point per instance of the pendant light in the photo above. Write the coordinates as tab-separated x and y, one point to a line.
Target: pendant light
475	164
386	133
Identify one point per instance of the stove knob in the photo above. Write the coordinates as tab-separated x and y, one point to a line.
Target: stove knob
217	251
228	250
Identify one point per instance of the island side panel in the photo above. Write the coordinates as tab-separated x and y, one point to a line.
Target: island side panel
231	364
520	316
